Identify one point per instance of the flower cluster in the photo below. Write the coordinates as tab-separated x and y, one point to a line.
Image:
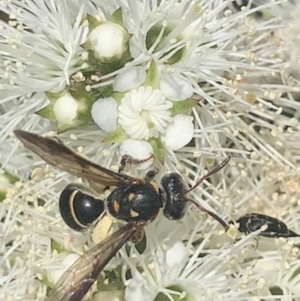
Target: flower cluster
175	84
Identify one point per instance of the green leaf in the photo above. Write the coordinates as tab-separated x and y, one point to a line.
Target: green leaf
175	297
117	17
12	179
115	63
106	91
54	96
2	195
48	284
41	202
176	57
152	78
158	148
117	136
87	45
182	106
93	22
47	112
294	274
141	246
118	96
152	36
57	247
61	128
276	291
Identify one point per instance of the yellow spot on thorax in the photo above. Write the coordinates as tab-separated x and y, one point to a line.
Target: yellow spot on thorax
116	206
133	213
131	196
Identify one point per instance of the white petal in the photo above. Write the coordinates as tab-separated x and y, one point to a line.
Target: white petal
179	133
105	113
175	254
137	149
108	39
176	86
134	291
65	109
54	275
129	79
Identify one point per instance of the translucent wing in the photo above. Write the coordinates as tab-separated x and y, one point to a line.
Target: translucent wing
57	154
76	281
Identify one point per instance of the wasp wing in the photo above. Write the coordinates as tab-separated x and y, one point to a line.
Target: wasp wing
57	154
76	281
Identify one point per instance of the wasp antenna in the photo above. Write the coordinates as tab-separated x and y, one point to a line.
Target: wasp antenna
210	173
212	214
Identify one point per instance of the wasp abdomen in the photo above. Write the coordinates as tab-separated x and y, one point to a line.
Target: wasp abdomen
139	202
254	221
79	209
175	202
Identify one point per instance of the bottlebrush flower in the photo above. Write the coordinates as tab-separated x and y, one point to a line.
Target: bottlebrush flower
182	83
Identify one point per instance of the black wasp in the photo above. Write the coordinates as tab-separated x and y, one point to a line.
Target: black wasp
136	201
251	222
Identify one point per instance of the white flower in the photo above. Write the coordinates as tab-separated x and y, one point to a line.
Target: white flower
42	64
65	109
105	113
144	113
227	60
129	79
177	270
108	40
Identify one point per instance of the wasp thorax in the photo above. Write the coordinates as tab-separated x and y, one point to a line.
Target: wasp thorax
79	209
139	202
175	202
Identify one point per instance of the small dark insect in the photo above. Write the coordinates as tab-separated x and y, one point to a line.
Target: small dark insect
251	222
136	201
238	4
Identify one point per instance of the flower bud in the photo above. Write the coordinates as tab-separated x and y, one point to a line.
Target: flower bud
108	40
105	113
179	132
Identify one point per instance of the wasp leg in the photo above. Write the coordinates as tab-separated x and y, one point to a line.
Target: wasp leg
128	159
151	175
209	174
138	236
255	244
212	214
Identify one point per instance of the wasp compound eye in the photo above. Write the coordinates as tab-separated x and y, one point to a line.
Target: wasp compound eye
175	201
79	209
